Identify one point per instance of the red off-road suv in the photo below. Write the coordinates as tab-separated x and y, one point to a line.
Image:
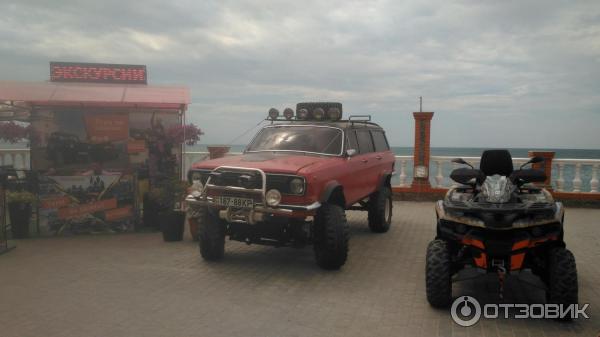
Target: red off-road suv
293	184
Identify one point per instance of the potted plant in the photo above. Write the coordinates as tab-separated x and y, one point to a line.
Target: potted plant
19	208
167	198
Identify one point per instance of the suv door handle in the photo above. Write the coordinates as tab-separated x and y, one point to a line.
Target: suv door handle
365	160
378	157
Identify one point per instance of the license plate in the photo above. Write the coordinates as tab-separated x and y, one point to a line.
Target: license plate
234	202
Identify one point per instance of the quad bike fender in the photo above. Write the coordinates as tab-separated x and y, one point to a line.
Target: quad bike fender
520	223
518	251
443	215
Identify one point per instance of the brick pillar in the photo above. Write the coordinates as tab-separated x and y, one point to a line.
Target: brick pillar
217	151
422	151
545	166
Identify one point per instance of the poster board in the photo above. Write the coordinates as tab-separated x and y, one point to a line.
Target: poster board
86	204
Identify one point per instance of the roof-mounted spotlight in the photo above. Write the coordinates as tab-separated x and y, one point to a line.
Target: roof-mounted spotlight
288	113
273	113
334	114
302	114
319	113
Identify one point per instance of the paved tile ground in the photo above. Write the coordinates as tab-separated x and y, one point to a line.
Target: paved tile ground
137	285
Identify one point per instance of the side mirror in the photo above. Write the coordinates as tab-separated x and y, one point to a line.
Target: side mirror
461	161
533	160
351	152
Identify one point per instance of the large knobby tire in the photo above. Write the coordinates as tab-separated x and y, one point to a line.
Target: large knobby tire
211	235
331	236
562	277
437	274
380	210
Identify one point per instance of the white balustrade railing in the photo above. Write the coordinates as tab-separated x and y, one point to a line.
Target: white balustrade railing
17	158
403	169
583	171
568	175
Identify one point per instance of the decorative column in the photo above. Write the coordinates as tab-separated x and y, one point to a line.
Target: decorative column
545	166
422	151
217	151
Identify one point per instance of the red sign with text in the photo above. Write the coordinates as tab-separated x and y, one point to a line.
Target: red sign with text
118	213
106	127
97	72
81	210
56	202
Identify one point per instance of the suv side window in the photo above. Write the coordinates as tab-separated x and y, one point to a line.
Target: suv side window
365	144
351	141
380	141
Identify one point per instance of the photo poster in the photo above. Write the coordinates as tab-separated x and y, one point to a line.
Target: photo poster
71	142
89	204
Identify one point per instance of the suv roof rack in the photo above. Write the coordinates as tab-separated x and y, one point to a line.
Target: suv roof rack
359	118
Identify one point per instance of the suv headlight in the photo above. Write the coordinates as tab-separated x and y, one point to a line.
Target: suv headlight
273	197
297	186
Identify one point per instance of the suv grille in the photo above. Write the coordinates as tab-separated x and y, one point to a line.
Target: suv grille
249	179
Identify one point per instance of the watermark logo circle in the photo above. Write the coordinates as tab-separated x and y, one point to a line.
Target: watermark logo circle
465	311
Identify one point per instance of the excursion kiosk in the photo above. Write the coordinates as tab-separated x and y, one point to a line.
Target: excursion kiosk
100	138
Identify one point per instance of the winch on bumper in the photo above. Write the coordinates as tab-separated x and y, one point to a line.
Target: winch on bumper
239	195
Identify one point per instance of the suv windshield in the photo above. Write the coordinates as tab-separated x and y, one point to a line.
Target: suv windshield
314	139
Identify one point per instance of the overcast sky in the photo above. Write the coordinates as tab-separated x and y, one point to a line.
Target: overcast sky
496	73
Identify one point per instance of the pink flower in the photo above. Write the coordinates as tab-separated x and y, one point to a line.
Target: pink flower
175	134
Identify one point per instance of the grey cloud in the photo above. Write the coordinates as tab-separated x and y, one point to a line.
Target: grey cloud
488	69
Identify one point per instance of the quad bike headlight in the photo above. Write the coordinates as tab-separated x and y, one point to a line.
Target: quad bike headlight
297	186
273	197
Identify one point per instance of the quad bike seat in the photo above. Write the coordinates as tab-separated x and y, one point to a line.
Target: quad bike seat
496	162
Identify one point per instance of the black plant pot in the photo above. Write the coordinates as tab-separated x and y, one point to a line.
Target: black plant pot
172	223
20	213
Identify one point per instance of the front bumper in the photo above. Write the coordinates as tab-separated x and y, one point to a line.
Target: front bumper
280	209
258	212
252	215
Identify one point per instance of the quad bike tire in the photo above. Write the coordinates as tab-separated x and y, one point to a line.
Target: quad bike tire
331	236
380	210
437	274
562	277
211	235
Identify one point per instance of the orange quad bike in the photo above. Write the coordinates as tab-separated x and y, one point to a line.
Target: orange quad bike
497	221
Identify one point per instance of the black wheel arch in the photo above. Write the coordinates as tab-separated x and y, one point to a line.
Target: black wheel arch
333	193
385	181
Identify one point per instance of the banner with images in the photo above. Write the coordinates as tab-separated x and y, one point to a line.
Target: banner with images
69	141
86	204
